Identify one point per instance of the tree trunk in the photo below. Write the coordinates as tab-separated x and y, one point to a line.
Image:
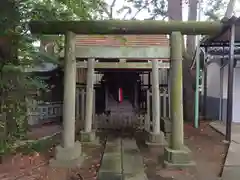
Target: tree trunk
175	13
192	16
188	75
230	9
9	55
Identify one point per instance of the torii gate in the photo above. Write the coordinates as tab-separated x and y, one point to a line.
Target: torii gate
69	154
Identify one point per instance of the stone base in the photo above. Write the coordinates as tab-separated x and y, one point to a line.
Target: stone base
156	139
88	136
167	124
68	157
177	158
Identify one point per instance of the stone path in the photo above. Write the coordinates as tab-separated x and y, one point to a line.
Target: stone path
122	161
231	170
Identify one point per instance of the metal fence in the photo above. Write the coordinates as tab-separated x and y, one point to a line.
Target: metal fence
42	112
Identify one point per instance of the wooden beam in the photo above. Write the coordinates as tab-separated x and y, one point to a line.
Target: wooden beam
152	52
126	27
123	65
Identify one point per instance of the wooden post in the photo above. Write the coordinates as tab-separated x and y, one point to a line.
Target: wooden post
230	85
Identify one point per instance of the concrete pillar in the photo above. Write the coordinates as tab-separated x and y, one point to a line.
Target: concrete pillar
88	135
157	136
82	104
147	119
176	154
69	154
89	98
69	92
176	108
155	97
94	110
77	104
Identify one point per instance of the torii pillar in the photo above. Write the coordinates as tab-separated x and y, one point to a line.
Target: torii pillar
157	136
69	153
88	134
176	154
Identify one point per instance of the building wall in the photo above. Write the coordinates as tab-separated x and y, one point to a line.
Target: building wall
214	92
236	96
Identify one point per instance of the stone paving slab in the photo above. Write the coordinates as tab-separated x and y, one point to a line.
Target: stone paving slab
221	128
231	173
131	157
115	141
233	156
139	176
122	161
111	166
128	143
111	163
112	149
109	176
231	170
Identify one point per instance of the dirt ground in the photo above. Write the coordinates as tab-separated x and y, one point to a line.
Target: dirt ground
35	166
206	144
208	151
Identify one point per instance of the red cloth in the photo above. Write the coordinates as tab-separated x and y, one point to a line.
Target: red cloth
120	95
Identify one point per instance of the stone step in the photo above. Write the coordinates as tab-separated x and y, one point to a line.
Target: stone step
133	166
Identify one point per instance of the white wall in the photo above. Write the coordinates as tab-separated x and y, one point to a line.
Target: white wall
213	92
236	96
213	80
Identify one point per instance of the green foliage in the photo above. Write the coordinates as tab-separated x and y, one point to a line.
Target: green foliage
84	9
157	9
38	145
11	146
213	9
18	53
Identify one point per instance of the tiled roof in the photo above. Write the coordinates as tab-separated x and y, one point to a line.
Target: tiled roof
126	40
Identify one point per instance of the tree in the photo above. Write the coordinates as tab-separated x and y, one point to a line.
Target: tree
17	52
230	9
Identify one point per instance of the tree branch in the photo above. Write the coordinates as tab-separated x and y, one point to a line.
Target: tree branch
139	10
111	8
230	9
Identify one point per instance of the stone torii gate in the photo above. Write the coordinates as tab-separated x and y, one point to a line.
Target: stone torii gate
69	153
